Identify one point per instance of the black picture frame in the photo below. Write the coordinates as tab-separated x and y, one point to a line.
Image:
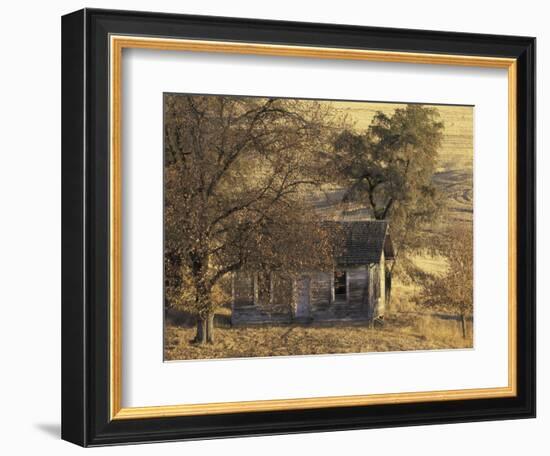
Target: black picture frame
85	228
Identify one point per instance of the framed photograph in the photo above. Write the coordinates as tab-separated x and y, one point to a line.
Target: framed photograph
277	227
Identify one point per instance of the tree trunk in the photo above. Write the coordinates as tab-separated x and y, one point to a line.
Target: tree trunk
202	303
463	321
200	337
210	328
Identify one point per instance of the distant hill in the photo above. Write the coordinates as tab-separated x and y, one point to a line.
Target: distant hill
457	185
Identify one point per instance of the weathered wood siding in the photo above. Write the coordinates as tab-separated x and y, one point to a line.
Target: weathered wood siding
254	302
381	304
353	308
376	293
282	290
261	298
320	292
357	286
243	290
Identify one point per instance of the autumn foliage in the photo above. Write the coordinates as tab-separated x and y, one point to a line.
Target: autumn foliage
237	175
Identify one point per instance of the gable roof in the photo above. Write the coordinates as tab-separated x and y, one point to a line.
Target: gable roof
363	241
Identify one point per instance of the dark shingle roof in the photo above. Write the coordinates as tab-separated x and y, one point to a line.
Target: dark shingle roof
361	242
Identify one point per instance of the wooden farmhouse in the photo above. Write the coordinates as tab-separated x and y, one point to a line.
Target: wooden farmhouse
354	291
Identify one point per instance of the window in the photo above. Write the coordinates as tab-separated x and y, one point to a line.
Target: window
263	288
340	283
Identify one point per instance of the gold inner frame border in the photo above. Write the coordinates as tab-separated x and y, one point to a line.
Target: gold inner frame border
116	46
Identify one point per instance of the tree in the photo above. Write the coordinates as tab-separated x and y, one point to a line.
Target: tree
236	172
453	290
389	169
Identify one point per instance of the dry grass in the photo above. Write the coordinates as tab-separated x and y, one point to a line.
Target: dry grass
403	331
